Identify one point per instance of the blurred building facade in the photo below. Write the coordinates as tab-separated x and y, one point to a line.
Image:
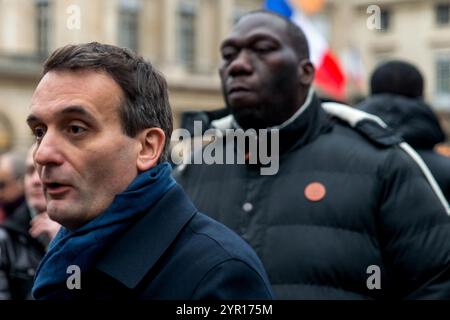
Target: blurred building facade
414	30
180	37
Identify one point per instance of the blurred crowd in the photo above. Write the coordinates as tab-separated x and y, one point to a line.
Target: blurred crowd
25	228
361	187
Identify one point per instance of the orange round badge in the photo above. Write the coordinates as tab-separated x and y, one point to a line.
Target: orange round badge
315	191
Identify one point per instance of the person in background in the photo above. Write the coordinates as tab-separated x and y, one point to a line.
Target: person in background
41	226
12	170
22	245
397	98
350	214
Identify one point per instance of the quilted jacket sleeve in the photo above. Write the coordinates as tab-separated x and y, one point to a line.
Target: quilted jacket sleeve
414	231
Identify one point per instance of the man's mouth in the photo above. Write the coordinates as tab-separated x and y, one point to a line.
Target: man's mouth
55	189
238	89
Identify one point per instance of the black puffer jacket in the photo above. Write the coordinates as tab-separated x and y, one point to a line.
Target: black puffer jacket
378	210
20	255
414	120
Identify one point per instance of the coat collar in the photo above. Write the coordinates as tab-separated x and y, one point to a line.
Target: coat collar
229	122
308	122
305	126
130	258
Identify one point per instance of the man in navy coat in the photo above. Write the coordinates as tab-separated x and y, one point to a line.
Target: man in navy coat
101	119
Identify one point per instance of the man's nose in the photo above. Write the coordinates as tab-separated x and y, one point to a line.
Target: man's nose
48	150
242	64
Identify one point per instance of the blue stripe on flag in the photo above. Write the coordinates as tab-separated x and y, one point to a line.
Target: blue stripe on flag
279	6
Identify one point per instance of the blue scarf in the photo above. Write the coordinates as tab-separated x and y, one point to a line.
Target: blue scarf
81	247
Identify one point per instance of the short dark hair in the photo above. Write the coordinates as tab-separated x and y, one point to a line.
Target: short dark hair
293	31
397	77
145	90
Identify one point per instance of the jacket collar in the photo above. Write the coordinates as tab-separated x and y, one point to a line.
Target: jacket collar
130	258
304	126
229	122
298	113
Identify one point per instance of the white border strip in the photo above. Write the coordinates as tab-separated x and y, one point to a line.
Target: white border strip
428	175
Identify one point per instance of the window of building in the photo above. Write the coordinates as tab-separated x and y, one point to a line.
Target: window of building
43	17
443	74
442	65
442	13
128	31
186	35
385	20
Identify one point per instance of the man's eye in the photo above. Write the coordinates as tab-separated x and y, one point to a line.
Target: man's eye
76	130
39	132
228	54
264	48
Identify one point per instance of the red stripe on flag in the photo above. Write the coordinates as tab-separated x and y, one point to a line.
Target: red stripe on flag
330	78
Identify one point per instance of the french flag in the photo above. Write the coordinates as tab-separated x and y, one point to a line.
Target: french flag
329	77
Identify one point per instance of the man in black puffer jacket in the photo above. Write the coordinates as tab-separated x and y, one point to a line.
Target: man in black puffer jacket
351	211
397	98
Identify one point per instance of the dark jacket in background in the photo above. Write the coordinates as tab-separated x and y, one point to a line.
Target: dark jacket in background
20	255
378	210
415	121
10	208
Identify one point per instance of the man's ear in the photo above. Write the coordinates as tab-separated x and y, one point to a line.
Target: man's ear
306	72
152	142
